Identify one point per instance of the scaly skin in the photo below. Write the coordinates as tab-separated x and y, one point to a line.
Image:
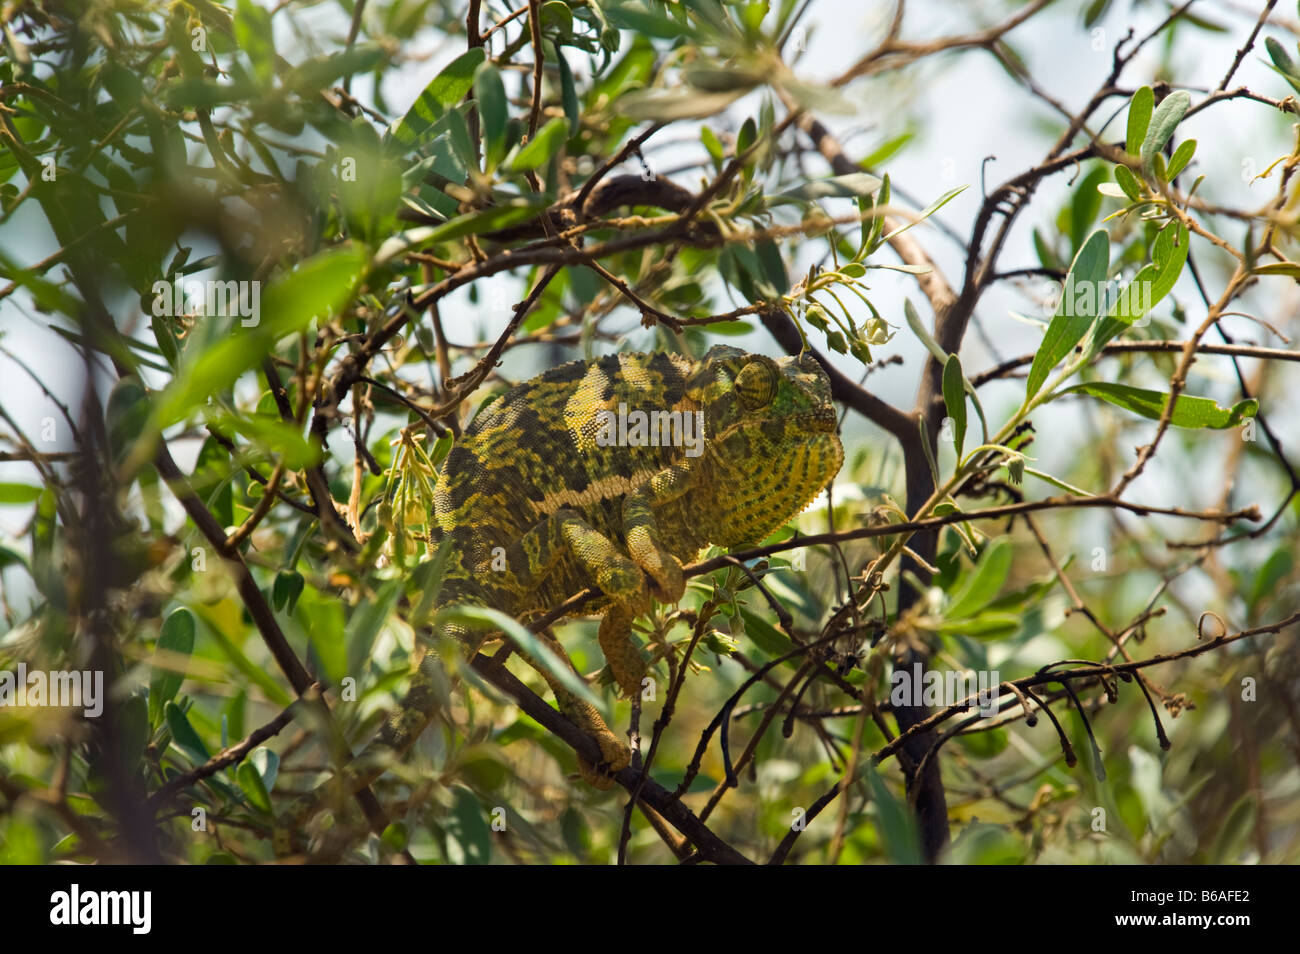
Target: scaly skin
536	509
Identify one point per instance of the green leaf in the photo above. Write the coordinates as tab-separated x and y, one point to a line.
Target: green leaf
987	625
894	820
928	211
462	144
211	481
1280	57
127	416
1151	284
319	72
670	105
1128	182
765	636
954	396
1289	269
1139	118
983	583
123	85
819	98
873	228
747	136
493	110
254	789
183	734
569	94
650	21
267	764
256	675
11	557
732	329
427	581
286	590
18	493
232	714
254	32
318	288
1146	778
1181	157
395	837
469	836
712	145
1164	121
715	79
1085	203
166	339
177	639
1066	328
482	617
364	625
541	147
1233	833
504	215
769	256
853	185
982	843
922	333
1189	411
987	744
1275	569
276	437
886	150
1283	63
443	92
557	17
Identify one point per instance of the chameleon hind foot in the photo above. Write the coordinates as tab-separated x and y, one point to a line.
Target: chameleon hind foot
614	752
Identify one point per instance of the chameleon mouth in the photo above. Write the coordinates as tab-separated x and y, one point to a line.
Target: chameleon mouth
824	421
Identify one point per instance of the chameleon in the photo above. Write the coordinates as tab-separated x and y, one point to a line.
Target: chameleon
611	474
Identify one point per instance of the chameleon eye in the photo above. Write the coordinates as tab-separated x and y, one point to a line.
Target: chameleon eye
756	384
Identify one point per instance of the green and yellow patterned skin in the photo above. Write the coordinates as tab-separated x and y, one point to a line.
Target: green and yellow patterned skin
540	500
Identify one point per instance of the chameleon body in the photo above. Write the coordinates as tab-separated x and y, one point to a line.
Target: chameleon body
558	485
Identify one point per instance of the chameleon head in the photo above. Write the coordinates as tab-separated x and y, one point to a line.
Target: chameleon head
771	436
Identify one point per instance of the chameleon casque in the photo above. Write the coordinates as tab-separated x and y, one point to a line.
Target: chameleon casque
540	499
